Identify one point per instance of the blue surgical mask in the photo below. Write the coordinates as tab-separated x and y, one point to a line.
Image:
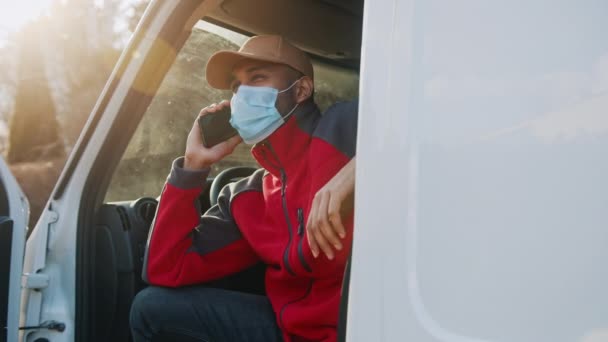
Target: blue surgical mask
254	114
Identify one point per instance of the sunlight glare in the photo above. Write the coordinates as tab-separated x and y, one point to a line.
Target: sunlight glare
15	14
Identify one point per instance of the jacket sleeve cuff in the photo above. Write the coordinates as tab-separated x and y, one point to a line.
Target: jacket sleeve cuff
184	178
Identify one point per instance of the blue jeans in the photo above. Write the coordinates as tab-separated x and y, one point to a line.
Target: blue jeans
202	314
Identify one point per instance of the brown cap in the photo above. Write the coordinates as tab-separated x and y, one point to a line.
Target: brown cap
273	49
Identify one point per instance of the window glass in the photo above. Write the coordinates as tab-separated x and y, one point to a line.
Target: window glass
161	135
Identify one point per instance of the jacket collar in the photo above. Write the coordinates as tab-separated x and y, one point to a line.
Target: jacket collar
288	143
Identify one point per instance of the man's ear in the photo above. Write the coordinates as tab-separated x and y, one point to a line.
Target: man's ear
304	90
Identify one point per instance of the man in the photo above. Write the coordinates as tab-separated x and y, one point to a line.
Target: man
307	177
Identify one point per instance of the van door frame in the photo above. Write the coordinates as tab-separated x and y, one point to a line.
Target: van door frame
159	37
378	300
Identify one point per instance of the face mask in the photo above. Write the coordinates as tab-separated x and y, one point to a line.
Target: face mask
254	114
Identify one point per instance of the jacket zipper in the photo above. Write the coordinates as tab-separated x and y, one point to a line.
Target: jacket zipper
308	289
285	211
301	235
290	229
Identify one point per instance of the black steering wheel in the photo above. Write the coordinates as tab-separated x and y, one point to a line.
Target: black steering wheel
225	177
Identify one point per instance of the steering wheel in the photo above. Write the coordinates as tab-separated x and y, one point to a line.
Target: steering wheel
225	177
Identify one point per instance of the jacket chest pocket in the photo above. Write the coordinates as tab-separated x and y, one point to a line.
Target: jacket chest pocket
300	236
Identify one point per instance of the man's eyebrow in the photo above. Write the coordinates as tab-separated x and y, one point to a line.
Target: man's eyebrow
256	68
249	70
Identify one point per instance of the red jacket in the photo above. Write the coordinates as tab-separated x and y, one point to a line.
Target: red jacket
263	217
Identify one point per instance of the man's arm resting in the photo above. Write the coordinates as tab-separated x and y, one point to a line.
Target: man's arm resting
331	205
186	248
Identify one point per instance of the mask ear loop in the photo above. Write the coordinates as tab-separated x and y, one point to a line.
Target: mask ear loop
290	112
291	86
294	107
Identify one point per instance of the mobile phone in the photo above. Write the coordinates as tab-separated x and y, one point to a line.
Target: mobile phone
215	127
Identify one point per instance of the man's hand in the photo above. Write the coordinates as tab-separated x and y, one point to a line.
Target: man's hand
197	155
333	201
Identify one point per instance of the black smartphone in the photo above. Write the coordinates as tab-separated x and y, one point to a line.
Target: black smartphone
215	127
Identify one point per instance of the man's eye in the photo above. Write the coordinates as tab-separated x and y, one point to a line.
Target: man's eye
257	78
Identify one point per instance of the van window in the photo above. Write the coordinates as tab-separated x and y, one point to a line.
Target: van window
161	135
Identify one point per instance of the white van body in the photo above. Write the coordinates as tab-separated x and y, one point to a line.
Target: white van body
481	194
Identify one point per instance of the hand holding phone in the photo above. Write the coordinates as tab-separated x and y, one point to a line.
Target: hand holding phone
211	131
215	127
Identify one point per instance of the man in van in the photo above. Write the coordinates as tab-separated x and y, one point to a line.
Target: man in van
286	215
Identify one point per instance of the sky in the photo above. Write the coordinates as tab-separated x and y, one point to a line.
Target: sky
14	14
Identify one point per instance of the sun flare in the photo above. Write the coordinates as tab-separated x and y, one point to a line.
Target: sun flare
15	14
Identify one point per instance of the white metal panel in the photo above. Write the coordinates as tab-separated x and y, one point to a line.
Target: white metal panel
378	282
19	212
482	196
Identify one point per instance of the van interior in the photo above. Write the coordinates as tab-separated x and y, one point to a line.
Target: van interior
151	130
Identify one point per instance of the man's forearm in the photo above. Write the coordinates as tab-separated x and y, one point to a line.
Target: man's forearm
186	248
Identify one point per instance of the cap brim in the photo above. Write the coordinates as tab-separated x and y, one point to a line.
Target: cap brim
220	66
